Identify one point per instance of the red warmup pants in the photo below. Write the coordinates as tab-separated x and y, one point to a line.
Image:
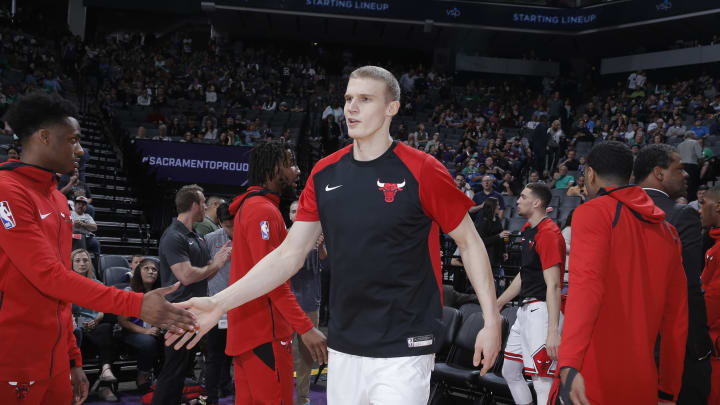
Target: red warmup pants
264	375
53	391
715	382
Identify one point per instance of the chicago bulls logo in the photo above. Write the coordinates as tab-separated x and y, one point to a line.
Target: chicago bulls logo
389	189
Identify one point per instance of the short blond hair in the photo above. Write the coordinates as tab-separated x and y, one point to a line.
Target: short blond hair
381	74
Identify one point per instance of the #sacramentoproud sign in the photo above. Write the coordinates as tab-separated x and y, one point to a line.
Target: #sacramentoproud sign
196	162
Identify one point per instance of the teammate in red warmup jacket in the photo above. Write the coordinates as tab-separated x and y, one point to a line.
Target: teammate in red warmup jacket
627	285
40	362
260	331
710	213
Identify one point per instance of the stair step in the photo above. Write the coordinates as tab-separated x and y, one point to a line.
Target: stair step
111	239
118	211
108	186
128	225
114	198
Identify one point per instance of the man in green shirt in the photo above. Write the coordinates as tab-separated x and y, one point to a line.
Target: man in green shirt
561	179
210	223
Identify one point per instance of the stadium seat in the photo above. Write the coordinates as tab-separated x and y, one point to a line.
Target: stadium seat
451	321
559	192
458	371
117	276
107	261
516	224
468	309
571	201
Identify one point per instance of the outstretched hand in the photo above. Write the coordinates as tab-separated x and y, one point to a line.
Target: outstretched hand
487	346
207	313
156	310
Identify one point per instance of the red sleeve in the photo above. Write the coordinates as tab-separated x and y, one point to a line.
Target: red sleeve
307	205
590	244
73	350
712	302
550	246
674	329
440	198
281	297
44	270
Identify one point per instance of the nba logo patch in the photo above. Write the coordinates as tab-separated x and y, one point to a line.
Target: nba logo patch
265	230
6	215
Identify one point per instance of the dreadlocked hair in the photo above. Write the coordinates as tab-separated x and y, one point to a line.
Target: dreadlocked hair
265	159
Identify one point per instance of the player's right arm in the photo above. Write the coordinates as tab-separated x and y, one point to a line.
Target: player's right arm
46	272
511	292
274	269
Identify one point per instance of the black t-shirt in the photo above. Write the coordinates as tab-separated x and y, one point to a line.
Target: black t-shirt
381	221
179	244
542	247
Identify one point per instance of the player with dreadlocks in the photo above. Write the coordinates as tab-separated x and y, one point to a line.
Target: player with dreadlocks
260	331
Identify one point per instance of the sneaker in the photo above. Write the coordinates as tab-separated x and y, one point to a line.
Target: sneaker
107	395
107	376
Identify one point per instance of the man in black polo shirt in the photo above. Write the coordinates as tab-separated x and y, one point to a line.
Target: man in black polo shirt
532	346
184	257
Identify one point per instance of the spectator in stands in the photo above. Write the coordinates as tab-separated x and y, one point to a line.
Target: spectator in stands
141	133
306	286
561	178
84	224
217	368
691	156
211	222
434	142
555	139
541	143
138	334
12	153
136	259
571	163
578	189
329	135
184	257
210	132
490	229
711	284
464	186
535	177
699	129
94	331
487	192
698	202
659	170
597	362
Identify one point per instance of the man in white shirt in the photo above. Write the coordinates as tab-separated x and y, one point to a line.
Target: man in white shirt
84	224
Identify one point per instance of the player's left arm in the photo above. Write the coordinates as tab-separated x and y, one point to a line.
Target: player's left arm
477	266
552	299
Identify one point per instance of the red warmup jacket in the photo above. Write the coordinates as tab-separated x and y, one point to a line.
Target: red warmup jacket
37	283
711	284
258	230
627	284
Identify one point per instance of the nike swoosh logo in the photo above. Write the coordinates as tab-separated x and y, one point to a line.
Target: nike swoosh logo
43	216
328	188
533	310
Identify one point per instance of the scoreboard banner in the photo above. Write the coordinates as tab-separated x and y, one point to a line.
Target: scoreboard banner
490	15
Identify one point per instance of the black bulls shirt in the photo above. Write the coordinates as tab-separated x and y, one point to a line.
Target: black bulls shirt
381	221
542	247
